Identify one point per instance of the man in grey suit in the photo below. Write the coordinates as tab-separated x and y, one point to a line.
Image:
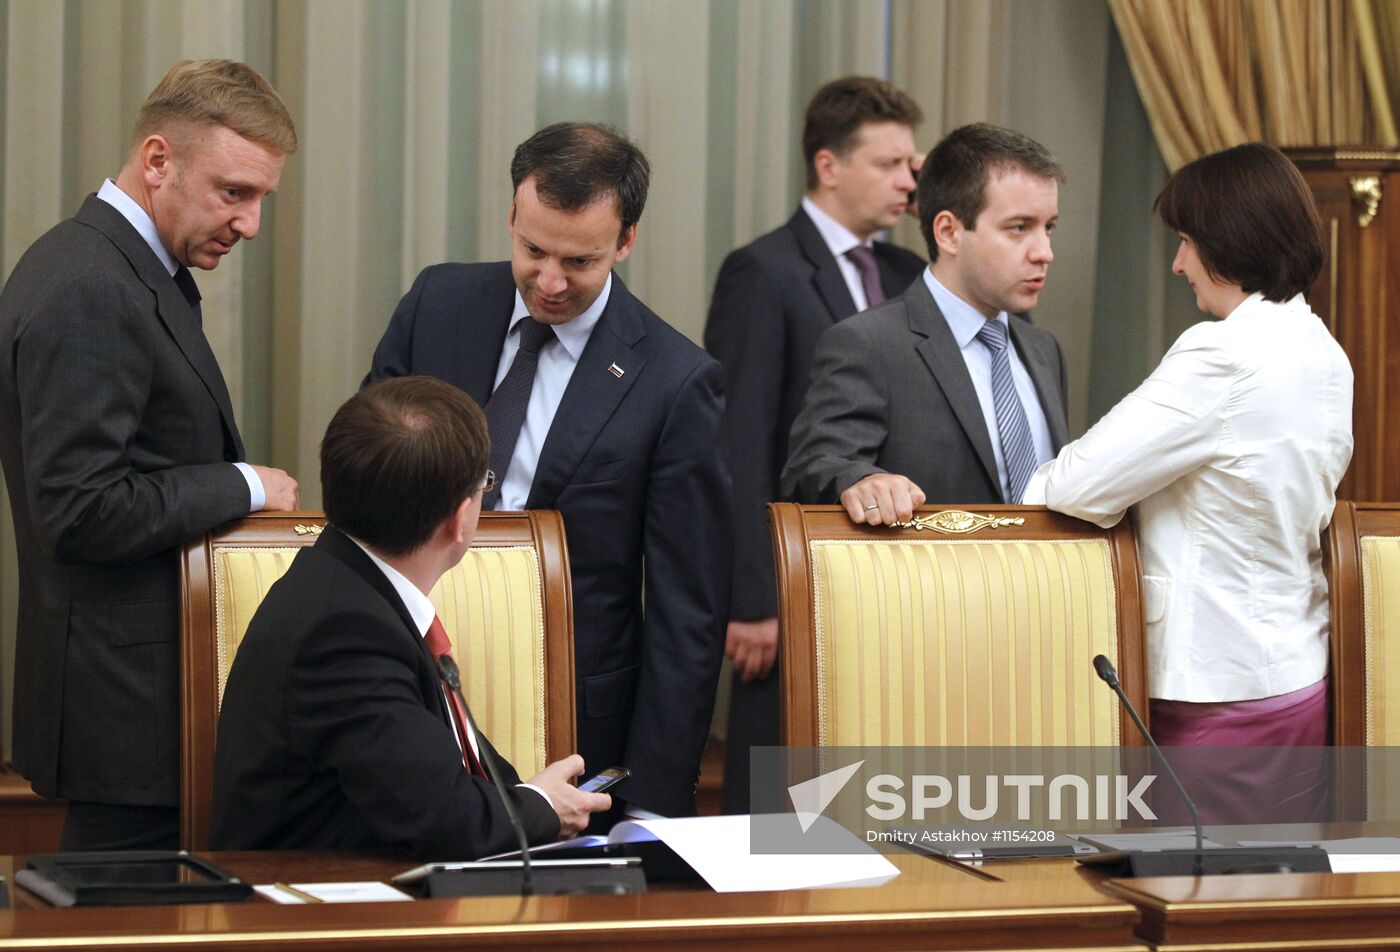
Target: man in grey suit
119	445
773	298
946	394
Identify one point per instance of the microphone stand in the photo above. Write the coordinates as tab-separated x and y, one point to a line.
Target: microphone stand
1105	670
1295	859
453	677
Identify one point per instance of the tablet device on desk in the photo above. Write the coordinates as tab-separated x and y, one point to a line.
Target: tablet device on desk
134	878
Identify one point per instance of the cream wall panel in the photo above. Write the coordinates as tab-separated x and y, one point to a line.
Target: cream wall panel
334	239
767	132
510	29
427	122
667	91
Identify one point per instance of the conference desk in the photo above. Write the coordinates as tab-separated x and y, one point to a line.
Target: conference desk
932	905
1021	904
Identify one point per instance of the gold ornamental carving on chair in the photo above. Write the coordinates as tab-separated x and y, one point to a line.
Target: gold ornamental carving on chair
302	529
957	522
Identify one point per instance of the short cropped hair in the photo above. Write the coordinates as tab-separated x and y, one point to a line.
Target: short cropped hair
839	109
577	163
1252	218
217	92
398	458
954	176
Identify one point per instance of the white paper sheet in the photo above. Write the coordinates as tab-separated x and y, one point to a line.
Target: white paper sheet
335	892
1357	854
718	848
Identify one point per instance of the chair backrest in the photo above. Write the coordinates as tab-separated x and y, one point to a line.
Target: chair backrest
972	629
508	608
1363	550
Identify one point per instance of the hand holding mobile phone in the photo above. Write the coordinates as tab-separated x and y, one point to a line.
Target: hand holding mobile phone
601	783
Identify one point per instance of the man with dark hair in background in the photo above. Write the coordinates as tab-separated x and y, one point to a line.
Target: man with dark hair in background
119	445
336	730
773	298
946	393
601	410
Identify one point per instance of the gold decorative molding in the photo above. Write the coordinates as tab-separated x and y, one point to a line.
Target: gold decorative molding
958	522
302	530
1366	189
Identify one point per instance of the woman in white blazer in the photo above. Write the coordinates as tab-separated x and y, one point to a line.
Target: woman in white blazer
1231	452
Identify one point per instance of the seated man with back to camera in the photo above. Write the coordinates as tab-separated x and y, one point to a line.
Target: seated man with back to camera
336	730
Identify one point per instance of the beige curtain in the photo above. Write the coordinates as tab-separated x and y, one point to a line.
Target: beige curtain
1215	73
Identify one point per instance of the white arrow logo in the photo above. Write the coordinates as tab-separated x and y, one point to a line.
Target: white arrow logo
811	797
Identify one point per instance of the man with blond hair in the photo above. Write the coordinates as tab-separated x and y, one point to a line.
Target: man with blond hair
119	445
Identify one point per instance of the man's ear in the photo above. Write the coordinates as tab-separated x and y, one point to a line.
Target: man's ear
155	158
462	522
824	163
625	243
947	232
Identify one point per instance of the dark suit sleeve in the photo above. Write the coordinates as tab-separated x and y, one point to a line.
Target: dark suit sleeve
844	418
88	374
359	712
746	333
394	355
687	549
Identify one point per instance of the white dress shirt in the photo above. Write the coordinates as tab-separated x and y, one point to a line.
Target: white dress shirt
839	240
136	215
557	361
965	321
421	610
1232	451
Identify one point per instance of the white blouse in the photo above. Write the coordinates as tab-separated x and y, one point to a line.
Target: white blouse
1232	451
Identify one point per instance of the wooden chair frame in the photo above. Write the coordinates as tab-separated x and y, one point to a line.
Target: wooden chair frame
543	530
794	527
1351	522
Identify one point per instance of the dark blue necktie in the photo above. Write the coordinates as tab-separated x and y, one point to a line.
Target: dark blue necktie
190	290
1017	447
505	411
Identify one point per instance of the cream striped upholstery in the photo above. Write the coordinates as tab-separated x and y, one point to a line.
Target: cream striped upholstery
491	605
1380	599
924	641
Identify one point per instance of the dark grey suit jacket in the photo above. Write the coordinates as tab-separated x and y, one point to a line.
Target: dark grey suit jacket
891	393
116	435
632	462
773	298
334	732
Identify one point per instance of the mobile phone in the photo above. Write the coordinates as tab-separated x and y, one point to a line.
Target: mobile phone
606	780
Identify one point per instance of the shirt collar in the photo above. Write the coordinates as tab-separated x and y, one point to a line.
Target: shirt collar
837	236
963	319
420	607
126	206
572	334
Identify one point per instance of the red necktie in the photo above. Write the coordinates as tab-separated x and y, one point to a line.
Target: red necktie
439	645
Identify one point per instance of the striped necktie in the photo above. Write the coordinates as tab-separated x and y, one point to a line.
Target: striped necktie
1017	447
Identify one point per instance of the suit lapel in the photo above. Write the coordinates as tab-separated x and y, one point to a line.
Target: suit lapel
481	335
1047	386
593	393
827	279
941	353
172	308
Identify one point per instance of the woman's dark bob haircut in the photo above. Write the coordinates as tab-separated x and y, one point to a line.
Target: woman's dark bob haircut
1251	217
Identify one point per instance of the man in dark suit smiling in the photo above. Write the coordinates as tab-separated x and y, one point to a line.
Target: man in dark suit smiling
600	410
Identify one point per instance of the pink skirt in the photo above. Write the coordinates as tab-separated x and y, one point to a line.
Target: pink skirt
1276	768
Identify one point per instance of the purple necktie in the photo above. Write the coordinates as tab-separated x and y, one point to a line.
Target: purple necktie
864	260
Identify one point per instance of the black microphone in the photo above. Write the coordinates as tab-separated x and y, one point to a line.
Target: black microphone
1109	676
448	668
